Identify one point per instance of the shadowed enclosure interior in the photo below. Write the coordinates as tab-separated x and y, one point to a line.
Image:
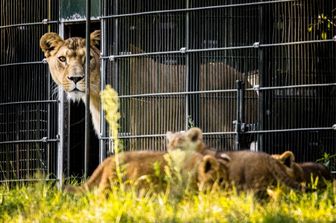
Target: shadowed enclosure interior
175	64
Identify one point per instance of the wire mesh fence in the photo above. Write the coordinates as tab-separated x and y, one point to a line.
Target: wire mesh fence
175	64
169	59
28	112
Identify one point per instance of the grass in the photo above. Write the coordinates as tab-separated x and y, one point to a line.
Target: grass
42	202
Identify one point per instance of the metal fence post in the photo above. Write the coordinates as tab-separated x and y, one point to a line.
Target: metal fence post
187	57
103	42
239	112
260	125
87	90
60	126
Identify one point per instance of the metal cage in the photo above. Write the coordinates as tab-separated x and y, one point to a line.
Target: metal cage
28	108
246	72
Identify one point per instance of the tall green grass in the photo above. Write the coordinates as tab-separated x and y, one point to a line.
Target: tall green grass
42	202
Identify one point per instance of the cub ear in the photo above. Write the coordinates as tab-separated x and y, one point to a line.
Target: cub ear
95	38
195	134
224	157
169	136
287	158
49	42
208	164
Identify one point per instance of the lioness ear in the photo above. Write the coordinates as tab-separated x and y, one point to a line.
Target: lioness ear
95	38
195	134
49	42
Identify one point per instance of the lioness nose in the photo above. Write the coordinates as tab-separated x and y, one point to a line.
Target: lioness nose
75	79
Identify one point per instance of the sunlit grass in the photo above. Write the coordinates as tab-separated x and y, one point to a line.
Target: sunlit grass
42	202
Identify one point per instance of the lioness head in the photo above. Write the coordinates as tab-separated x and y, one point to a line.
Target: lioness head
66	59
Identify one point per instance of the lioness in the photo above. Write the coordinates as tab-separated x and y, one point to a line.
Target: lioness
201	171
308	172
66	60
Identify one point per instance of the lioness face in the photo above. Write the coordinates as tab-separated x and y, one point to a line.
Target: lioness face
66	59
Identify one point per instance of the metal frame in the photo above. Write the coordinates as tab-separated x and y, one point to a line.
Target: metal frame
186	51
262	88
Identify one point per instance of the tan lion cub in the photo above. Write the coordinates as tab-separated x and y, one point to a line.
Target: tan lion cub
307	172
139	167
245	170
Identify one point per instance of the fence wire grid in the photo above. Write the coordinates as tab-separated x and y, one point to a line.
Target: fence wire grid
175	65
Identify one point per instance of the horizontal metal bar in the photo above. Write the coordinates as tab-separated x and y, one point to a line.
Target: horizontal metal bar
43	22
177	93
184	50
112	57
132	136
29	102
69	21
44	140
291	130
226	90
24	63
290	87
26	180
265	45
195	9
125	136
47	22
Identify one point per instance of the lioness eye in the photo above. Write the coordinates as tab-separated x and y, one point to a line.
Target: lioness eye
62	58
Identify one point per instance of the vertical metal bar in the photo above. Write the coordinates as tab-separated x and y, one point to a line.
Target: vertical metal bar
115	62
68	129
241	102
187	57
48	108
87	86
238	120
60	125
260	126
103	27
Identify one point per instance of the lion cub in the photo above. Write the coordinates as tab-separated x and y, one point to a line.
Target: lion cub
256	171
146	169
307	172
245	170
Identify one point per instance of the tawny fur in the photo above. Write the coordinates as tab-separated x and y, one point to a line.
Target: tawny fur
189	140
73	52
202	171
256	171
307	172
186	140
246	170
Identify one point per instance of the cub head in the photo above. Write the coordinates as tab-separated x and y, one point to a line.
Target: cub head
66	60
292	168
212	172
189	140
